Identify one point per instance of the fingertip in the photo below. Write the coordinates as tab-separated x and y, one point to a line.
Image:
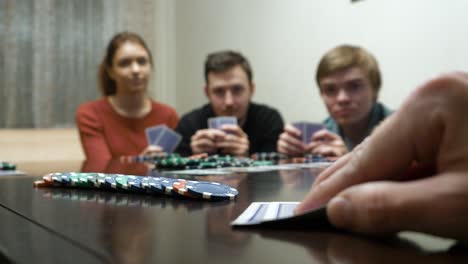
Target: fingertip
340	212
292	130
309	203
299	209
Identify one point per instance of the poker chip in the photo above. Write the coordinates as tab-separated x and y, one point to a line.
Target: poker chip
110	182
262	163
60	179
121	182
49	179
208	165
65	179
134	183
130	183
180	187
202	162
91	178
7	166
166	184
78	180
86	180
309	158
101	181
56	178
272	156
211	190
154	185
41	183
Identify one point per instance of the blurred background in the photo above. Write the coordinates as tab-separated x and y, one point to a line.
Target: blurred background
50	49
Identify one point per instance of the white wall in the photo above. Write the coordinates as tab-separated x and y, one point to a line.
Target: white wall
163	85
284	40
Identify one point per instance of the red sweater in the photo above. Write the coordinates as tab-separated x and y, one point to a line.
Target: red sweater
105	134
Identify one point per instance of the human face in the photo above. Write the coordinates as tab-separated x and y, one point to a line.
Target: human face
131	68
230	92
348	96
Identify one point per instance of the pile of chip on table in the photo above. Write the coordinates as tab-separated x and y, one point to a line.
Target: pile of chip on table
203	190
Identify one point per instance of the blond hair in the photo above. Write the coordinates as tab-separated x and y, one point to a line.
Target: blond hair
347	56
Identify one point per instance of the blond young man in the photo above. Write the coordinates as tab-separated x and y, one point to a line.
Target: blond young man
349	81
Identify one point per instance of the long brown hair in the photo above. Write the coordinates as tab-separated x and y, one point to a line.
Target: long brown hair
106	84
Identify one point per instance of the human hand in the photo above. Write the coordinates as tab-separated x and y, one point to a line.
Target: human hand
289	142
364	189
152	150
327	144
234	141
204	140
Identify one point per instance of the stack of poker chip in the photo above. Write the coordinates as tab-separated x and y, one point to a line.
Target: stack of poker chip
209	162
269	156
200	190
5	166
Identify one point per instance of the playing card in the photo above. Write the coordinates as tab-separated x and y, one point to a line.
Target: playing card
307	130
258	212
280	215
217	122
168	140
212	122
153	133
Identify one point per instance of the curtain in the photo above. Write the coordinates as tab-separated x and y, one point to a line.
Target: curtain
50	51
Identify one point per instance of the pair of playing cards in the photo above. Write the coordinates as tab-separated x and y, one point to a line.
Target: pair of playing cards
164	137
280	215
218	122
307	130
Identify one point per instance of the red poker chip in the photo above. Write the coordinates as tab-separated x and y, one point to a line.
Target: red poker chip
180	187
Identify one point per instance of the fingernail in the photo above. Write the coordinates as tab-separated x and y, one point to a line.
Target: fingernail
340	211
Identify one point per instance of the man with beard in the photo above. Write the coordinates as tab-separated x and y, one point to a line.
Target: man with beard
229	89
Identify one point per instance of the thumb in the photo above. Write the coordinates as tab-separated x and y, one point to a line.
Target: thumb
430	205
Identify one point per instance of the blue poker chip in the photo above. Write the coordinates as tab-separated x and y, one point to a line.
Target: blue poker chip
110	182
134	183
211	190
65	179
100	182
152	184
57	179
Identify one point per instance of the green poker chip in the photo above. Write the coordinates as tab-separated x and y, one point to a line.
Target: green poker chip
121	182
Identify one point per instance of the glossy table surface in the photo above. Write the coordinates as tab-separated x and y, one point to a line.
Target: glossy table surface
58	225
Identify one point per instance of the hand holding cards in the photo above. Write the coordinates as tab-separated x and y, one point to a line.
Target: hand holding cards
234	141
307	130
164	137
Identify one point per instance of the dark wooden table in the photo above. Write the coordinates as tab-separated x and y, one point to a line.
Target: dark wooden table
46	225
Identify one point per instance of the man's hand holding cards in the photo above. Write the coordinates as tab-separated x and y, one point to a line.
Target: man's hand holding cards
327	144
296	138
307	129
233	140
